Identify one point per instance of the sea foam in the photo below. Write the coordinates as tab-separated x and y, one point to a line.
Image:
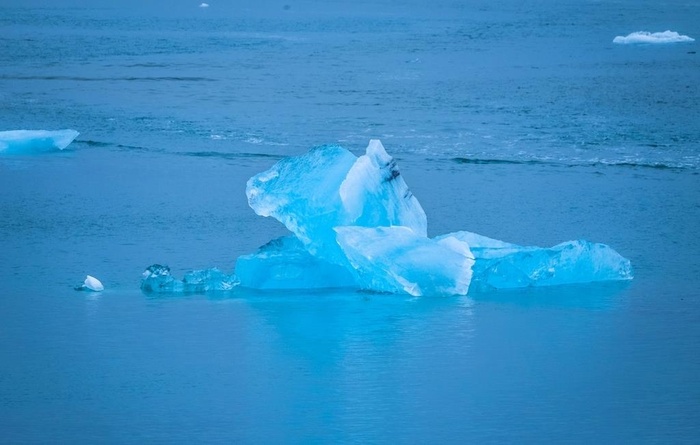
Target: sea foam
641	37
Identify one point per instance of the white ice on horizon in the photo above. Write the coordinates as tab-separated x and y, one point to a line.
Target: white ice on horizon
35	141
655	38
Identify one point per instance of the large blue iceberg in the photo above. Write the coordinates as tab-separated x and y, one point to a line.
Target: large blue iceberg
355	224
35	141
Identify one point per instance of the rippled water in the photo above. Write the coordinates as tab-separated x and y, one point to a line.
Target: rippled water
520	122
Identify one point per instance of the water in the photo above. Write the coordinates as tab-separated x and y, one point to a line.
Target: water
520	122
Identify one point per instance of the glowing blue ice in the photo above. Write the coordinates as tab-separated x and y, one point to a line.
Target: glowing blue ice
396	259
330	187
157	279
355	223
284	263
35	141
503	265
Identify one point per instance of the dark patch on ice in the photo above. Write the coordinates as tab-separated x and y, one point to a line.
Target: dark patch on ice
393	171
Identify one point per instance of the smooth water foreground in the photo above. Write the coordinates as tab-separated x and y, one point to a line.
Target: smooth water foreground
495	146
612	362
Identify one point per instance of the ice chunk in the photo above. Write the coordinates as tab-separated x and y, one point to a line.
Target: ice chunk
329	187
204	5
655	37
35	141
284	263
91	283
503	265
397	259
157	279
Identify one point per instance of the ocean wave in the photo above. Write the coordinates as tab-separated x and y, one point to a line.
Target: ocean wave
111	79
222	155
102	144
657	165
656	37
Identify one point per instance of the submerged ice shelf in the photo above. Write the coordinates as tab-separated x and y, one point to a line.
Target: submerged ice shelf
354	223
35	141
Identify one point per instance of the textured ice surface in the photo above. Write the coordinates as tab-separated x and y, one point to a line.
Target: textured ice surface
503	265
355	223
397	259
374	194
329	187
284	263
655	37
157	279
35	141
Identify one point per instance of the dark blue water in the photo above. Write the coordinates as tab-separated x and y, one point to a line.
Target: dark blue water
520	122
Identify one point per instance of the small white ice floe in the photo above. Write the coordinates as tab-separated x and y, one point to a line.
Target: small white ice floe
642	37
91	283
204	5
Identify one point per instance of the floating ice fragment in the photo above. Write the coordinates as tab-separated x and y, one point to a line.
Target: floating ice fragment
656	37
91	283
503	265
284	263
204	5
157	279
397	259
35	141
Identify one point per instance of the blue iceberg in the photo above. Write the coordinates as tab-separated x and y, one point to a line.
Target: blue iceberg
355	224
35	141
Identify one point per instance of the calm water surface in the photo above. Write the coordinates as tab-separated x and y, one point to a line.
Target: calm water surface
521	123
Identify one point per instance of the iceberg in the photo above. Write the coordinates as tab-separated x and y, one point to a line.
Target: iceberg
354	223
642	37
35	141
